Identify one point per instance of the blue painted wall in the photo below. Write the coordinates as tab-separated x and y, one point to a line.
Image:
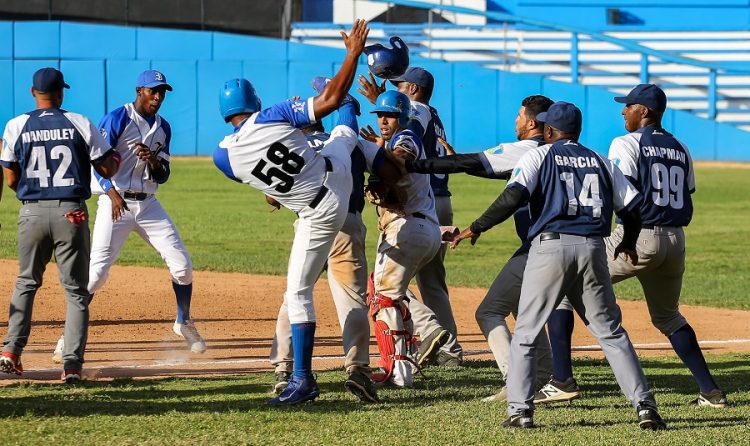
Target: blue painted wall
478	106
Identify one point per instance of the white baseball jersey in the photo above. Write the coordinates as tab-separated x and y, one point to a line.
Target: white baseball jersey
269	152
501	159
419	194
123	128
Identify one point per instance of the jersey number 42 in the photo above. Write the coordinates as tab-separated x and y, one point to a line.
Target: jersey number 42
285	165
37	166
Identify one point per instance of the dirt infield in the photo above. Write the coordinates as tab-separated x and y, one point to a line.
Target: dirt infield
131	320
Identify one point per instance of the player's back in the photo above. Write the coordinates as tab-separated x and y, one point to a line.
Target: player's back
662	170
574	191
276	158
50	145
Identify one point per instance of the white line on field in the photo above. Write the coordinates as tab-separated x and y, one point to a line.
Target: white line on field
177	363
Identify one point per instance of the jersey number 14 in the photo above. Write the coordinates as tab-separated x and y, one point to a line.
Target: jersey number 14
588	197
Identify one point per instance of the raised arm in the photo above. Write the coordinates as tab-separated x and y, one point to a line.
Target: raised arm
334	93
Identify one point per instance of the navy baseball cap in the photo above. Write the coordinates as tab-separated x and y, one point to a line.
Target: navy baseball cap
49	79
563	116
416	75
649	95
152	79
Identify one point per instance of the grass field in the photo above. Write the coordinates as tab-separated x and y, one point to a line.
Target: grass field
227	227
444	410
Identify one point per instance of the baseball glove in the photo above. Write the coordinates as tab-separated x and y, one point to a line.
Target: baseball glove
380	194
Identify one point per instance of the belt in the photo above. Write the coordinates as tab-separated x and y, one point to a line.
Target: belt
647	226
323	189
544	236
67	200
137	196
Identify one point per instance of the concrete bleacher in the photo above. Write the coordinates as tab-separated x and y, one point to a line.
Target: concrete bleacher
605	64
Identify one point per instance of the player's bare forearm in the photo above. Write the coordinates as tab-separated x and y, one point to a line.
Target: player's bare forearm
336	90
12	175
108	167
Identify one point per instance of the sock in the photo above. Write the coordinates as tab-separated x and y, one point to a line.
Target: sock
348	116
560	327
183	293
685	344
303	338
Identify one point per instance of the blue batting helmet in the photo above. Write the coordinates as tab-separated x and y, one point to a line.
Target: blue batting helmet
238	96
388	63
391	101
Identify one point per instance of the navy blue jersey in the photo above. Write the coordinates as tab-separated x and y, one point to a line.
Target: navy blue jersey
425	122
53	150
661	168
571	189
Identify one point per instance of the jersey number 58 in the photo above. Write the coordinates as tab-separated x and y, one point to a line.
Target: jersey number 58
287	164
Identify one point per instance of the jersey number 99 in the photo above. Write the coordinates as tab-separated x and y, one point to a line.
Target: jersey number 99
286	164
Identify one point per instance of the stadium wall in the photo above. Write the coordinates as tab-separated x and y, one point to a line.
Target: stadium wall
477	105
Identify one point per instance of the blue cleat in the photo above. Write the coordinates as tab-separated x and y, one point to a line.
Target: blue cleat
297	391
319	84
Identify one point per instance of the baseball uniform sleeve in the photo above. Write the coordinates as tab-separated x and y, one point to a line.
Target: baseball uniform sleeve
298	113
113	124
98	146
624	154
408	142
690	170
626	196
12	132
525	174
419	119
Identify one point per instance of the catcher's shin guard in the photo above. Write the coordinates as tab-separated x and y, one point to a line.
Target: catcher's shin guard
393	332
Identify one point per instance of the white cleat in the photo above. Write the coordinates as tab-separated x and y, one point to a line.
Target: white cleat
188	331
57	355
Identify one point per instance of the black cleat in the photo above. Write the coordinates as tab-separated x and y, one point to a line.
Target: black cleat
648	418
362	387
524	420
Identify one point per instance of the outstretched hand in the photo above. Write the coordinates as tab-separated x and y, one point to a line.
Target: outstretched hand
355	41
369	134
466	233
370	88
629	254
448	148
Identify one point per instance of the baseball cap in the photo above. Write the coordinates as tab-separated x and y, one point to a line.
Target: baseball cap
649	95
49	79
151	79
416	75
562	116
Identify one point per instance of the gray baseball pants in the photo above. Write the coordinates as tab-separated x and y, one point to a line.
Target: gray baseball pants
43	230
434	290
577	267
661	264
500	302
347	278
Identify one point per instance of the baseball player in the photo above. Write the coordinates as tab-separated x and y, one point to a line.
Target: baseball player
660	167
571	192
409	238
127	201
46	156
418	84
502	297
347	278
268	152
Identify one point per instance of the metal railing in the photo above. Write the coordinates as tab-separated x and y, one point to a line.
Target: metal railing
593	57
